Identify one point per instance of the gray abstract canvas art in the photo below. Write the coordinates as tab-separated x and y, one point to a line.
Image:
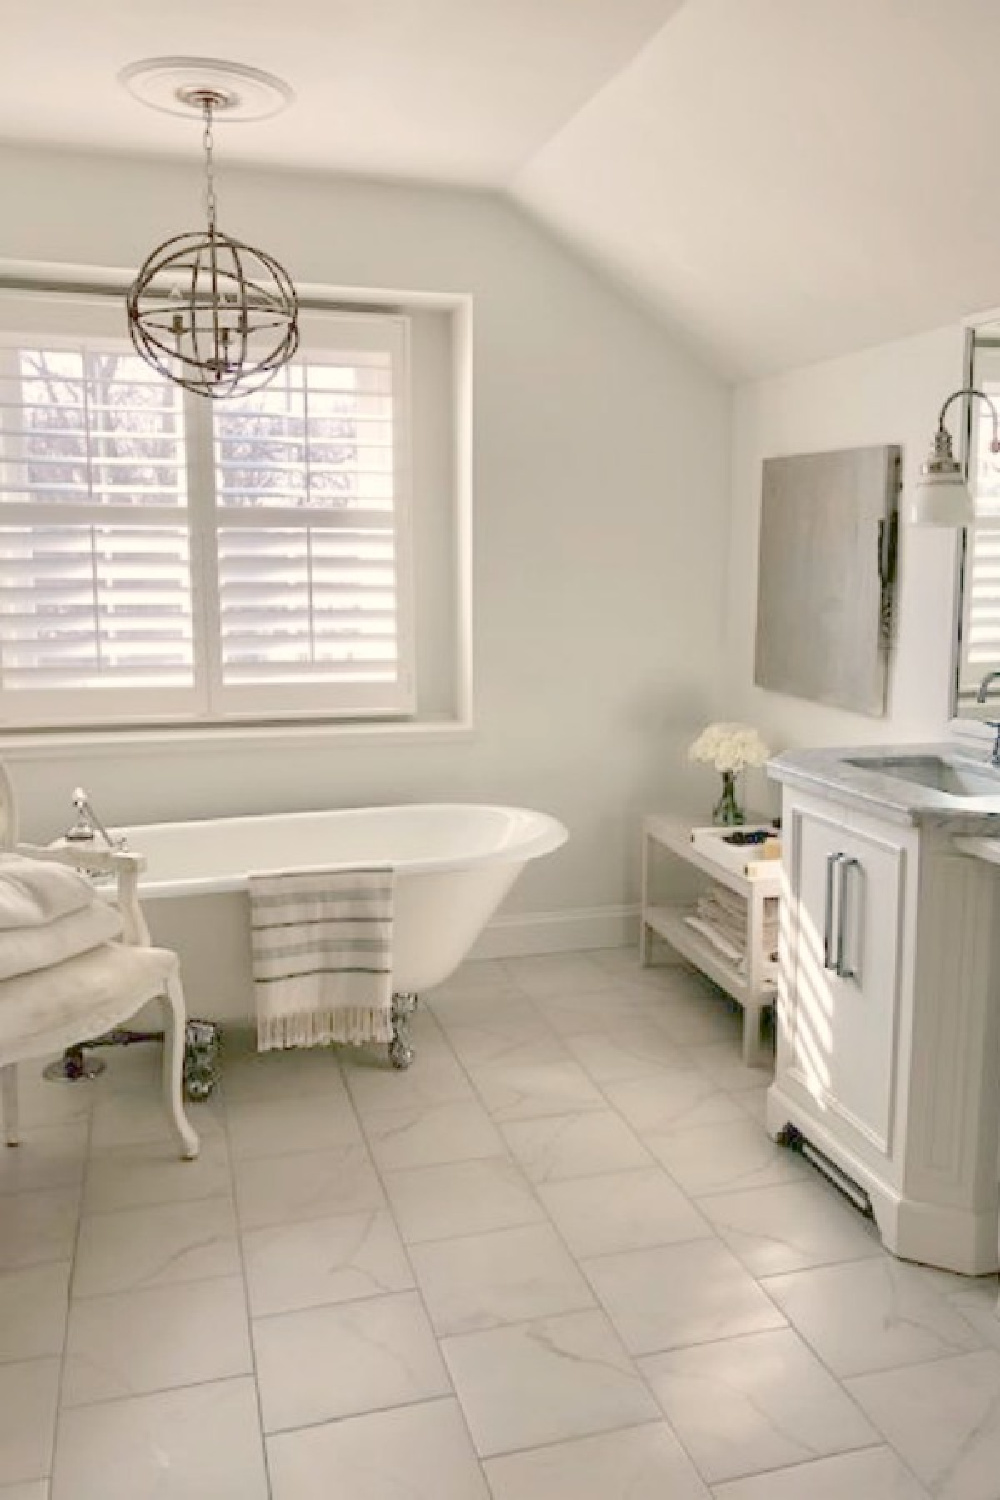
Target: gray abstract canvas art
824	588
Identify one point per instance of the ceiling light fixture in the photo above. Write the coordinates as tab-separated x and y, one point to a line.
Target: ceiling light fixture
207	311
942	497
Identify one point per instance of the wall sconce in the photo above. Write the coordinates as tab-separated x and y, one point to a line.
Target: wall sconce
942	497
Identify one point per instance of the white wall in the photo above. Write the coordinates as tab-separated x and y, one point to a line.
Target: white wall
889	394
601	508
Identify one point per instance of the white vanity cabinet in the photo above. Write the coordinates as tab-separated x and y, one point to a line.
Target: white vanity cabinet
888	1046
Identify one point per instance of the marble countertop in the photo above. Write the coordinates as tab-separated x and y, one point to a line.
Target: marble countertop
830	773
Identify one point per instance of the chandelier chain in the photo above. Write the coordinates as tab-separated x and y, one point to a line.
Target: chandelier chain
208	141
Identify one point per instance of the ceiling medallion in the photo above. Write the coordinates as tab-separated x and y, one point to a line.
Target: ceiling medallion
207	311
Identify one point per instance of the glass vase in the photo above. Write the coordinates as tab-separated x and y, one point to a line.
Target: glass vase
727	810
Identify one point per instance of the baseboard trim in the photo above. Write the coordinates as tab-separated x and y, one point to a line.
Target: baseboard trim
523	934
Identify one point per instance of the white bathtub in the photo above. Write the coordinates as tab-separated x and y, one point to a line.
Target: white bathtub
454	864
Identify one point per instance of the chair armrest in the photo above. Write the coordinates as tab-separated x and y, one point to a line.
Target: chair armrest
125	866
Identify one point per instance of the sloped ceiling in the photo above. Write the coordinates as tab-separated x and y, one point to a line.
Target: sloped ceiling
780	180
792	179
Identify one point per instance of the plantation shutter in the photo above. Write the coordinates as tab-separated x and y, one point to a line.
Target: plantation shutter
312	529
96	613
981	590
164	558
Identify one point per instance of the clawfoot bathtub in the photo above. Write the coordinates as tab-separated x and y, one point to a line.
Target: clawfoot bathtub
454	863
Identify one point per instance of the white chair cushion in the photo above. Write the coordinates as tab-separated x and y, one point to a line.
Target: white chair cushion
54	1008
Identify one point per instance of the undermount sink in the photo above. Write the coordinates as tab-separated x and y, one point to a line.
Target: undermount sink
953	777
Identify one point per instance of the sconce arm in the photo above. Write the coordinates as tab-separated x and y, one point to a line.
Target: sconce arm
969	390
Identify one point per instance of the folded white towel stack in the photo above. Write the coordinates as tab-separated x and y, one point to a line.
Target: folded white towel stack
48	913
322	956
720	915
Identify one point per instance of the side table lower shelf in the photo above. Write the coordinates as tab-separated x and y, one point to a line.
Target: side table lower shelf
752	985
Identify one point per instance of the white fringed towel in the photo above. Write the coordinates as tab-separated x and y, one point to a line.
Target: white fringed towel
322	956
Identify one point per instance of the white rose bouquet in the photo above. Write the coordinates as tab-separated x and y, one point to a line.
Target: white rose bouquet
729	747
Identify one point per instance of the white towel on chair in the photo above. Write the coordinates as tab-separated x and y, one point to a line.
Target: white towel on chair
322	956
35	891
26	949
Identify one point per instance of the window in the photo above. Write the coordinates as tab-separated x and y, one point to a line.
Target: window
167	558
981	589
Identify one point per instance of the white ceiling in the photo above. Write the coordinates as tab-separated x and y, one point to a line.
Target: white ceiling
450	90
783	180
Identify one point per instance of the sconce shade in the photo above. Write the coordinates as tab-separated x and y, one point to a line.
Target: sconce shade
942	497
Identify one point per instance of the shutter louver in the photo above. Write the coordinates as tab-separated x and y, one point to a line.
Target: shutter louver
981	584
307	554
95	589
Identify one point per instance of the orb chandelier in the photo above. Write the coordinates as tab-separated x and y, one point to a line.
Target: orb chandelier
207	311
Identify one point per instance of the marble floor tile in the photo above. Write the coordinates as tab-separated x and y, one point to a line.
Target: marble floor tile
36	1228
50	1156
421	1452
621	1211
430	1080
574	1145
543	1381
480	1281
141	1247
723	1063
426	1135
138	1176
636	1463
468	1197
515	1034
119	1119
341	1259
672	1295
28	1396
44	1102
199	1443
279	1126
636	1048
872	1474
726	1157
695	1013
279	1074
791	1227
476	978
617	1004
673	1099
550	974
32	1489
745	1405
341	1361
34	1304
871	1315
274	1190
532	1089
135	1342
943	1419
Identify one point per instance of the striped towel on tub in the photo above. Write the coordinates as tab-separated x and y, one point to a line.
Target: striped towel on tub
322	956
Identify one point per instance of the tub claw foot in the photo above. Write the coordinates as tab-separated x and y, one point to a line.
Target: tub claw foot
400	1051
201	1059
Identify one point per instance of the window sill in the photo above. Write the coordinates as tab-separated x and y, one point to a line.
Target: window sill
34	745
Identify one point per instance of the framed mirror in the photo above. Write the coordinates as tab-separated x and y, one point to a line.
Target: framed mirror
977	638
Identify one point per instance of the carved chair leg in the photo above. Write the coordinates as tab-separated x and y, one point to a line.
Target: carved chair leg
173	1065
8	1095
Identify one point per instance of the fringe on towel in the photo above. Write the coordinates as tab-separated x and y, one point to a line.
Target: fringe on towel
322	956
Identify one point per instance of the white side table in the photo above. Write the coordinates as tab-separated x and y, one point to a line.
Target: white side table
753	984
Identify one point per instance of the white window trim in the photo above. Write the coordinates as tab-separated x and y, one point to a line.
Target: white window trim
103	282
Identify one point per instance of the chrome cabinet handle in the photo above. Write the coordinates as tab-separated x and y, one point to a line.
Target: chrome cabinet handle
848	864
832	860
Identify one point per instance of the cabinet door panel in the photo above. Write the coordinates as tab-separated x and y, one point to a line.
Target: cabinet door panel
847	898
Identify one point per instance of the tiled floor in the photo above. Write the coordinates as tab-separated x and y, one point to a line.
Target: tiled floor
557	1260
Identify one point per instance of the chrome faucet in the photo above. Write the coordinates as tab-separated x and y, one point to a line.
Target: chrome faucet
984	688
88	825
